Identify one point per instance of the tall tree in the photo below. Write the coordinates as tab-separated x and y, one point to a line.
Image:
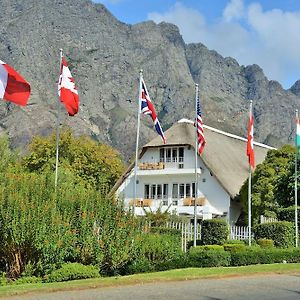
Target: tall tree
272	183
98	165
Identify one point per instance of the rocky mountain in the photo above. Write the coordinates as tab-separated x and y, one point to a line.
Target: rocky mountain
105	56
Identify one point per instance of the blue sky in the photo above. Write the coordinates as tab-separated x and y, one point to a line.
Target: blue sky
264	32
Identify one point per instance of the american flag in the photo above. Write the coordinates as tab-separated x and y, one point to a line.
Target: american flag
200	134
147	108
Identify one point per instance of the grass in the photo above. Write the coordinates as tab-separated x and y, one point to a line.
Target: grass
172	275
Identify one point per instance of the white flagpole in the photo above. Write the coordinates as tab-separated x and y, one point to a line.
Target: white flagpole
137	141
196	175
249	188
296	185
57	128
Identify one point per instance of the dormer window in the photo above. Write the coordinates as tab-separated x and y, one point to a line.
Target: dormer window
174	154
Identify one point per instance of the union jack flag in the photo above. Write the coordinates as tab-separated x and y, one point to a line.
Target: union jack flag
199	124
147	108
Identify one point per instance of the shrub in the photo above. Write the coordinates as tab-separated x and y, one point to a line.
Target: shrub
157	248
162	230
198	257
191	244
288	214
240	242
155	252
28	279
72	271
282	233
211	247
3	279
265	243
251	256
234	247
214	231
142	265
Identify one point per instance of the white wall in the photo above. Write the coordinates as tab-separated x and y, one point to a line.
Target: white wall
208	186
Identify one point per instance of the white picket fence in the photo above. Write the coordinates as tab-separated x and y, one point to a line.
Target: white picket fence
187	232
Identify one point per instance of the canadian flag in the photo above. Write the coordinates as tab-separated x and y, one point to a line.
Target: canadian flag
67	90
13	87
250	148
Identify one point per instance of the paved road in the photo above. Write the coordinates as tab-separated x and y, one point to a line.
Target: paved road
283	287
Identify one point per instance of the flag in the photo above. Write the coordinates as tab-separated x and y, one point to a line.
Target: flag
67	90
298	135
13	87
199	125
147	108
250	148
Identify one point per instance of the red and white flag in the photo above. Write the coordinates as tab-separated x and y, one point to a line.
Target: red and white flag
250	148
13	87
67	90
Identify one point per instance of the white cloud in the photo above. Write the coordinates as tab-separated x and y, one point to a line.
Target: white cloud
233	10
270	39
190	21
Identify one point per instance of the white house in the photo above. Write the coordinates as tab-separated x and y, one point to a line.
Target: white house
166	174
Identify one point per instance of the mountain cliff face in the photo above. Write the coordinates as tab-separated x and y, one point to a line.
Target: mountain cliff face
105	57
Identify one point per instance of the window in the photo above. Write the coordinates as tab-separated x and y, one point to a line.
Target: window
153	191
181	154
193	189
168	155
175	191
146	191
165	191
181	190
158	191
174	155
188	190
162	155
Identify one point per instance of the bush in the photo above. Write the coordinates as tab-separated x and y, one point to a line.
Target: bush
214	231
211	247
198	257
234	247
28	279
3	279
162	230
252	256
191	244
142	265
265	243
72	271
240	242
157	248
282	233
288	214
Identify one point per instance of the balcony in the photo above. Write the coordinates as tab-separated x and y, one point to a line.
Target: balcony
183	206
164	167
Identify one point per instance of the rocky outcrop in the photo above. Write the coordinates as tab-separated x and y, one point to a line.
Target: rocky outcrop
105	57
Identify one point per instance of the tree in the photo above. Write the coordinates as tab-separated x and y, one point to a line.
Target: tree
98	165
272	183
7	155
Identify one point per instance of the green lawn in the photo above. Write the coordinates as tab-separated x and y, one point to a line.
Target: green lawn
172	275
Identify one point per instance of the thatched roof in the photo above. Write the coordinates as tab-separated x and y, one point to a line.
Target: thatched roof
224	153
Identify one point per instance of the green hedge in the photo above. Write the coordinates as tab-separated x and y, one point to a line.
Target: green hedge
288	214
162	230
282	233
252	256
265	243
234	247
211	247
214	231
72	271
199	257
